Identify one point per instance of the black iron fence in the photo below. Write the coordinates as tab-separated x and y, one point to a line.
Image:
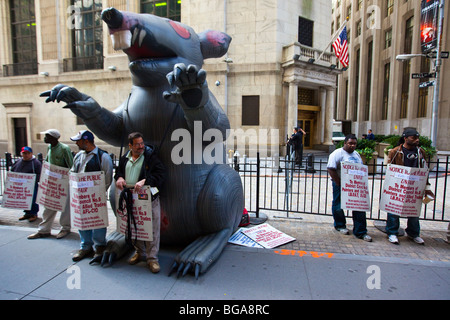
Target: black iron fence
277	185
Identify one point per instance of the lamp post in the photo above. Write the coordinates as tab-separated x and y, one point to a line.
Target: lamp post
437	69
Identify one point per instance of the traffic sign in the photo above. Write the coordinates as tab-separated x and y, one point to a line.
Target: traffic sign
423	75
426	84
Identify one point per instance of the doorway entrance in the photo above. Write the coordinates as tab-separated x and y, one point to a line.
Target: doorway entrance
20	134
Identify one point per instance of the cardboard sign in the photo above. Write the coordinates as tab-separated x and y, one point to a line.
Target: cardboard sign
142	228
53	187
267	236
19	190
403	190
354	187
242	240
88	209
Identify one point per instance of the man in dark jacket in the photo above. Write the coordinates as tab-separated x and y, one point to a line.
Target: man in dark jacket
29	164
296	142
409	154
139	167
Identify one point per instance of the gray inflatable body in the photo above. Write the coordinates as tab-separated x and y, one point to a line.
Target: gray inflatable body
201	203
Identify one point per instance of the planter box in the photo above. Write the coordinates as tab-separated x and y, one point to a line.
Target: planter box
380	147
371	164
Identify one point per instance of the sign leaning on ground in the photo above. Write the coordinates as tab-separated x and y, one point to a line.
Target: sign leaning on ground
403	190
19	190
354	187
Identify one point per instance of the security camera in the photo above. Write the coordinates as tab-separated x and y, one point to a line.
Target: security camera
217	83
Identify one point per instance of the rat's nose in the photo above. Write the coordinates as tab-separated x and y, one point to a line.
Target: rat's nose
112	17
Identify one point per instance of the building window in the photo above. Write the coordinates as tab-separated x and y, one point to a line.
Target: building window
168	9
305	31
389	7
87	37
387	76
349	12
368	82
388	38
406	68
358	28
360	3
250	110
423	92
23	39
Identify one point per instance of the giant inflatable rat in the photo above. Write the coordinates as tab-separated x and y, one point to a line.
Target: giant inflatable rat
201	202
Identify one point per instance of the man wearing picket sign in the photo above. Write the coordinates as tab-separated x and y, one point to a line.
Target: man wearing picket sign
347	154
58	154
408	154
90	158
138	168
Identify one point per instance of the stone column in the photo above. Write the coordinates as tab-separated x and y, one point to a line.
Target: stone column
328	128
292	107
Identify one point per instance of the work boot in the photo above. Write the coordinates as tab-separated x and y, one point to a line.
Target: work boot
153	265
135	258
81	254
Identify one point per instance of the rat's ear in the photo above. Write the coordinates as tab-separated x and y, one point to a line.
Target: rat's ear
214	44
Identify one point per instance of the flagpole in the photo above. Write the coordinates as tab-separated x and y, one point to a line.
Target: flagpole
334	37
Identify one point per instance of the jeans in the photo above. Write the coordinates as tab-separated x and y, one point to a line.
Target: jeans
34	206
359	217
89	238
393	223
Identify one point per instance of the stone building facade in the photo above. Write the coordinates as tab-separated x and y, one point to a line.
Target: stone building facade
377	91
277	74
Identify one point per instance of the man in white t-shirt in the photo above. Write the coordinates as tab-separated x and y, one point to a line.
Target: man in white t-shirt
347	153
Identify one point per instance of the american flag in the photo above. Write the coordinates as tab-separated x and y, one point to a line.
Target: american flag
341	48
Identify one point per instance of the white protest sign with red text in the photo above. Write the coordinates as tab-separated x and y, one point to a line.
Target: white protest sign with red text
354	187
88	209
403	190
19	190
53	187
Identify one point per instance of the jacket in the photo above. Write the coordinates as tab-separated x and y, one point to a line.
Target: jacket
152	170
396	156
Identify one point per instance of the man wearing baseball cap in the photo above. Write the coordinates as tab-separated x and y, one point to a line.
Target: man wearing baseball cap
58	154
409	154
90	159
29	164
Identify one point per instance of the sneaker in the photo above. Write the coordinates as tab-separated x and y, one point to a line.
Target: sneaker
343	230
393	239
366	237
62	234
38	235
417	240
81	254
153	266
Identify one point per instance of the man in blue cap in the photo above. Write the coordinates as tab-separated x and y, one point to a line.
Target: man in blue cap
29	164
90	159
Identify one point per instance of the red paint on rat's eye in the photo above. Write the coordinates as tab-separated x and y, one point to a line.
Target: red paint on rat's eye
182	32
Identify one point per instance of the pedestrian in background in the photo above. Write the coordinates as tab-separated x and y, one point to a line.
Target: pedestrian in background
29	164
58	154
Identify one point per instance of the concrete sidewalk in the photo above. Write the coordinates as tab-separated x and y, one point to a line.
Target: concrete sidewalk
320	264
